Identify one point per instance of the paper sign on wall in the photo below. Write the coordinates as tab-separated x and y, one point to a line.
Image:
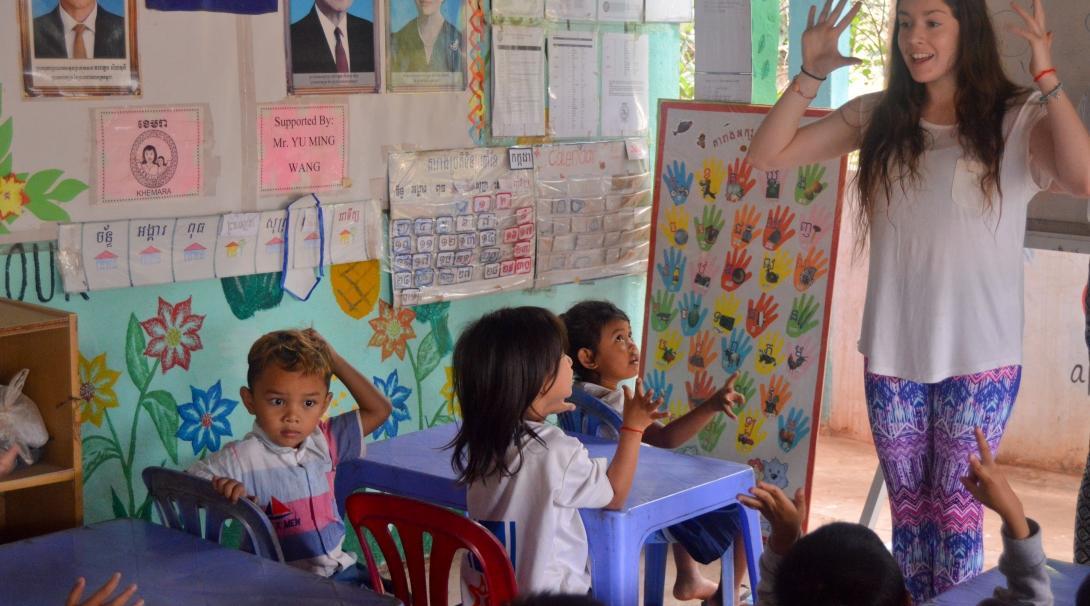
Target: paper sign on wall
236	245
194	245
150	251
270	241
106	254
302	148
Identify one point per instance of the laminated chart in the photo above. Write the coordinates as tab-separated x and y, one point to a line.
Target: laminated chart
461	224
740	280
593	211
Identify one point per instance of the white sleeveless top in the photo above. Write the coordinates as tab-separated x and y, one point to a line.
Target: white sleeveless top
944	291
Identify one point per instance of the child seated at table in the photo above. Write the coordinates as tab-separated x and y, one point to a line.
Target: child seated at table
603	354
287	463
527	480
846	564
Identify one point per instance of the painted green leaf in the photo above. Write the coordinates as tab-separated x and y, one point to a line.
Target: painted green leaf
96	451
3	230
21	176
6	131
163	409
247	295
139	371
442	336
5	166
66	190
144	511
427	357
46	210
119	509
41	181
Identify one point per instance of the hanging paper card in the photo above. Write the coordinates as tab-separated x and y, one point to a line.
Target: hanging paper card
150	252
235	248
270	241
194	245
106	254
348	233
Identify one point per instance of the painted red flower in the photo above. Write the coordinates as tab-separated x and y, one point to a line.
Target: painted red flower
173	334
393	328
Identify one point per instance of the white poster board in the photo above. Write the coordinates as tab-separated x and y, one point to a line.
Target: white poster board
741	279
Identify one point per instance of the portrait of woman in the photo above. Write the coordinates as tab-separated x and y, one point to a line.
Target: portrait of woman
427	44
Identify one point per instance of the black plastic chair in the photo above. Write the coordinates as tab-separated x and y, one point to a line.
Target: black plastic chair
180	497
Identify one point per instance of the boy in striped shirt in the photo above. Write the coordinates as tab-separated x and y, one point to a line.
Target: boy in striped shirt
287	464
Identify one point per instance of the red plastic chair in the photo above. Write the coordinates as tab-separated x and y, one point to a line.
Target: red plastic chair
449	532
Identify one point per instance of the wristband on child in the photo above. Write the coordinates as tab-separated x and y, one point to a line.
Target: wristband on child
1051	70
632	429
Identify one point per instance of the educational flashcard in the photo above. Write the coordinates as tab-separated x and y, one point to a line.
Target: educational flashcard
194	245
106	254
461	224
270	241
593	211
302	148
307	238
348	236
235	248
740	281
151	242
149	153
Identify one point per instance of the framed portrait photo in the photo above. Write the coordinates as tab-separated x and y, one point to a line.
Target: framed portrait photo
331	46
78	47
426	45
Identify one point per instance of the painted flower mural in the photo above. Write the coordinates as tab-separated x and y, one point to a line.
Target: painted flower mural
397	394
12	196
204	419
96	388
174	334
393	329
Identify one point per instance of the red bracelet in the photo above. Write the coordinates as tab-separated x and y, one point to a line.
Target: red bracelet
632	429
1051	70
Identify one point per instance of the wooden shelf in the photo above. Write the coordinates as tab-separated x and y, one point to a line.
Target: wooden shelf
19	317
39	474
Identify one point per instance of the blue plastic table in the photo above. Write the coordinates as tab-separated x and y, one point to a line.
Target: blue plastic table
668	488
1064	576
169	566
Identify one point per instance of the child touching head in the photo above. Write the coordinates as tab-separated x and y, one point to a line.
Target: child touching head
527	480
286	464
604	353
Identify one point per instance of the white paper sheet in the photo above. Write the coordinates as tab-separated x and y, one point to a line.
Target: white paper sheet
621	10
270	241
106	254
348	236
724	87
150	251
723	40
236	245
518	8
624	84
573	84
575	10
194	244
668	11
518	63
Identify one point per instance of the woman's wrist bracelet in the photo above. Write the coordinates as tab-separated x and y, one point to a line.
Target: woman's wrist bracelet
1051	70
802	69
797	89
632	429
1052	94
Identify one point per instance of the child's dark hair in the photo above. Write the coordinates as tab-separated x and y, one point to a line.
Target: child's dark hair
292	350
502	362
840	564
584	323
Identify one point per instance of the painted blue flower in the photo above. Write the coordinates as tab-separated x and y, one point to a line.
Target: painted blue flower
397	394
204	419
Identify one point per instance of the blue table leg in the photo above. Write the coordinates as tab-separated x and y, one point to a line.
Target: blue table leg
751	535
615	564
654	572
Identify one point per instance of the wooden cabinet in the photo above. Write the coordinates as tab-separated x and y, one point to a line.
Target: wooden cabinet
48	495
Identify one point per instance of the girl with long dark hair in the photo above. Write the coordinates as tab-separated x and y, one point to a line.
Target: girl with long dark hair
950	154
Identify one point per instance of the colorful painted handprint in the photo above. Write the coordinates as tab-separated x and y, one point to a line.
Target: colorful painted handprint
794	429
778	228
745	226
662	310
672	268
734	351
809	184
676	226
702	352
769	348
708	227
678	182
711	178
726	313
774	267
810	268
738	180
775	396
803	315
666	350
760	314
735	269
693	313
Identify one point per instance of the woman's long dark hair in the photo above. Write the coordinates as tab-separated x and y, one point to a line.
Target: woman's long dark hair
502	362
894	140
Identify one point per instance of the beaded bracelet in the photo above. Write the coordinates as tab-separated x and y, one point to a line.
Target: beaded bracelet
803	70
1052	94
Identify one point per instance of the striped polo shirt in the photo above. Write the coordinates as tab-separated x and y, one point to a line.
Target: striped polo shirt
295	487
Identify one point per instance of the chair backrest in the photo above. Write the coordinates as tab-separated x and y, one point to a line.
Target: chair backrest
449	532
180	498
590	413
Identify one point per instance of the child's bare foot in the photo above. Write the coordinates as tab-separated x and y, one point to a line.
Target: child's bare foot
694	588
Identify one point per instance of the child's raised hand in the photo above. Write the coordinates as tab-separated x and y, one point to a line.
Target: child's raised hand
102	596
726	399
318	338
640	408
988	485
783	514
231	489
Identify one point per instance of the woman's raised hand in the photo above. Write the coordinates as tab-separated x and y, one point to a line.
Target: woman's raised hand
1036	33
820	54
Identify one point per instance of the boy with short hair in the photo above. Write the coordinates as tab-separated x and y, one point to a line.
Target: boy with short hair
287	463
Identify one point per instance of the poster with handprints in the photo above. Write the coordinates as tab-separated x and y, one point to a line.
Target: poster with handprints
740	280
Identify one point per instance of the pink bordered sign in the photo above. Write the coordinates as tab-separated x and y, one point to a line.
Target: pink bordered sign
149	153
302	148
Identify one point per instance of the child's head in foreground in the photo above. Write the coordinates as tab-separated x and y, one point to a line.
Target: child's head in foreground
510	367
840	564
600	343
287	384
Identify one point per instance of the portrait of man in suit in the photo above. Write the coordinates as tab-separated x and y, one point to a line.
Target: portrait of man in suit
79	29
331	40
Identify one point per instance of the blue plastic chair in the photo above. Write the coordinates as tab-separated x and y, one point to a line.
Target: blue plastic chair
589	415
180	497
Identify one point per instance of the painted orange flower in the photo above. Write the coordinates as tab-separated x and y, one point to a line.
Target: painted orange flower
12	196
96	388
393	329
174	333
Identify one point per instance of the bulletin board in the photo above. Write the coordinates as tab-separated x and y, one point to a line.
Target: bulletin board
741	279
